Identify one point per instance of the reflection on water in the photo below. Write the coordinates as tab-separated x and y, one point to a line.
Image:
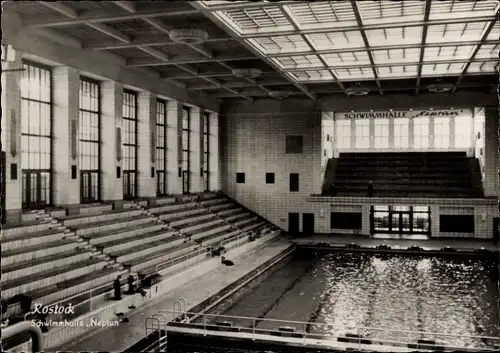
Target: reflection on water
431	294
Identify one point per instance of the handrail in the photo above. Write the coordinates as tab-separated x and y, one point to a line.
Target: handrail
185	256
25	326
361	330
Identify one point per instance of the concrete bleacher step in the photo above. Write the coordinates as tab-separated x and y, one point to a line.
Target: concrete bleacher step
25	268
53	275
222	206
252	226
172	207
213	202
181	221
158	201
170	216
31	216
111	225
208	196
25	227
78	220
238	216
216	238
33	252
245	221
31	239
124	233
199	225
231	212
147	264
131	242
147	248
209	230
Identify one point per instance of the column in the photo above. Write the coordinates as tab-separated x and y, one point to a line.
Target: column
435	221
174	149
111	151
490	181
411	126
11	137
146	149
195	147
391	134
66	187
371	132
431	132
214	142
452	136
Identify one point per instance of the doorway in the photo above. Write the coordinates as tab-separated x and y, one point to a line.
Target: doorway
89	187
129	185
36	189
308	223
496	232
400	220
293	223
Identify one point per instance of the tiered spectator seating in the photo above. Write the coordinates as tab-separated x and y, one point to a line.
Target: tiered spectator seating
46	262
410	174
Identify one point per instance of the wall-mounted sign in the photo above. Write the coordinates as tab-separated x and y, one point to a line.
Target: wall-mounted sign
402	114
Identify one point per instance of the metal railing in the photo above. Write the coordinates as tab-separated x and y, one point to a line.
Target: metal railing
359	335
25	326
180	259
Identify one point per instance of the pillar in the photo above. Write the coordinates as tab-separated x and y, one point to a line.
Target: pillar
66	187
146	149
195	146
174	149
491	145
111	151
11	137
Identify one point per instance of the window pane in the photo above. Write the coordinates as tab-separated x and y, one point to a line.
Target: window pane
421	133
401	132
381	133
362	133
442	132
343	134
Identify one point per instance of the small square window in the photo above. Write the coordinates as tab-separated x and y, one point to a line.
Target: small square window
269	178
240	178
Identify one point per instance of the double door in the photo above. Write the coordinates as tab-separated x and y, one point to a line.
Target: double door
89	186
36	189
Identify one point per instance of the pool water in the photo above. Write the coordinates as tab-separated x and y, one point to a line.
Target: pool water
345	290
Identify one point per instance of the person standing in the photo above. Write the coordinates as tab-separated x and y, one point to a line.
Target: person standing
117	286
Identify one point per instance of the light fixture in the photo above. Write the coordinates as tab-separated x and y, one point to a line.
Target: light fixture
279	94
357	91
440	87
247	73
188	36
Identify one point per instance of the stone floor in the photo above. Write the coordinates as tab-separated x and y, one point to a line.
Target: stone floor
427	244
117	339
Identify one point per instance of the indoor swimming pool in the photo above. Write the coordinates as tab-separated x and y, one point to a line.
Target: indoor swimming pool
446	295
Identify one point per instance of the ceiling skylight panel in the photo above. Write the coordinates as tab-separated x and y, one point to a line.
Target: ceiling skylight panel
396	55
394	36
442	69
276	45
354	74
394	11
323	14
391	72
338	40
482	67
488	51
347	59
462	9
255	20
456	52
495	32
299	61
313	75
458	32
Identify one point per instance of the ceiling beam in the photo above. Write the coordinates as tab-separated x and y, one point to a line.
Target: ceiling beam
110	32
265	34
368	66
427	11
357	14
376	48
144	41
60	7
244	5
156	53
126	5
219	23
179	60
240	84
100	16
213	74
474	53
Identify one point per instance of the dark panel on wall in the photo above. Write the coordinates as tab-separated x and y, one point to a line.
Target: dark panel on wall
456	223
294	144
13	133
269	178
73	139
118	172
73	172
345	220
13	171
240	178
118	144
294	182
496	232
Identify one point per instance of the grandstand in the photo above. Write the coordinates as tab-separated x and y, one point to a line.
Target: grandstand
135	145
